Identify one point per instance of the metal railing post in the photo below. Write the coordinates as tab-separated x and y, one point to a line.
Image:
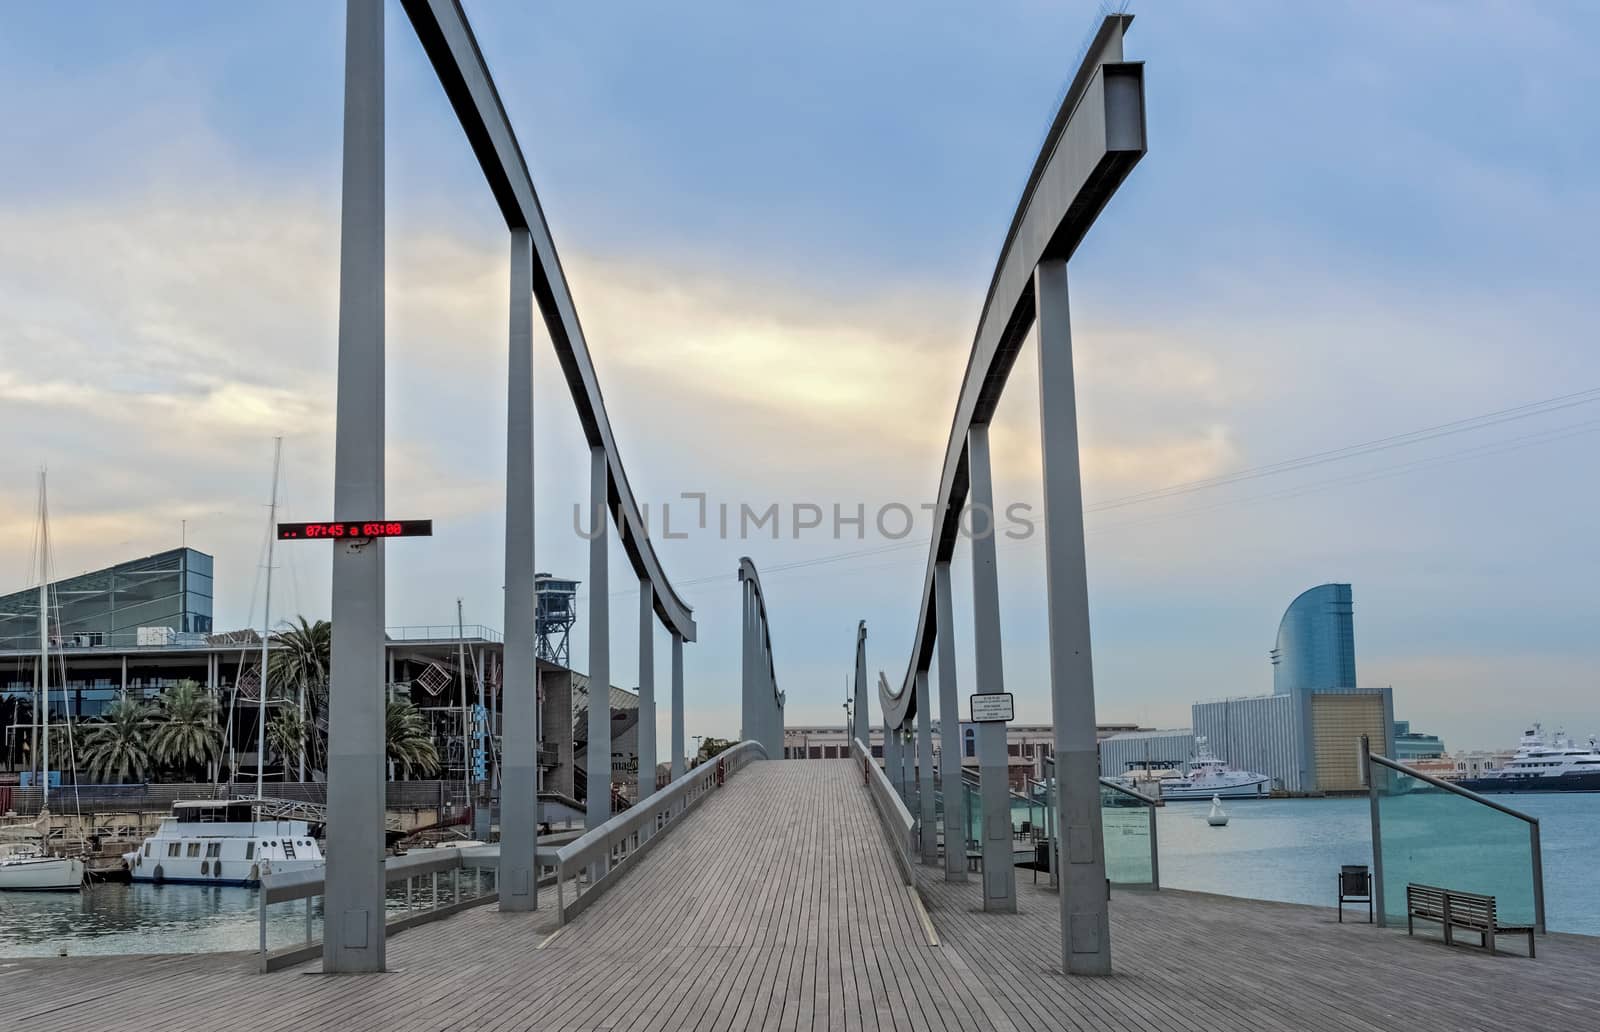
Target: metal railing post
1538	877
1377	832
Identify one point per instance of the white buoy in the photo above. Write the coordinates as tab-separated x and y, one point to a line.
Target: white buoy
1218	817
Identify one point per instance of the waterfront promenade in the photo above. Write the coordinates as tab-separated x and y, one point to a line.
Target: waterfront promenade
776	905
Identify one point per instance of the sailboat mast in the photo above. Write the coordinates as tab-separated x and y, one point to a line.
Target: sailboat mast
266	627
466	724
44	631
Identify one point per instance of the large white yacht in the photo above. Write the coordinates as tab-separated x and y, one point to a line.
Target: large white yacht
1207	776
1557	765
221	842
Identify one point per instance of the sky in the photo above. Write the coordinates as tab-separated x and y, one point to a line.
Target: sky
1355	221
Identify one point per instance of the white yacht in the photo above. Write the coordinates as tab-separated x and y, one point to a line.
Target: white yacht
24	867
221	842
1207	776
1557	765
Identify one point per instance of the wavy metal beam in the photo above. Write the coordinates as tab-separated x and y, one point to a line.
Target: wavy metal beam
442	28
1096	138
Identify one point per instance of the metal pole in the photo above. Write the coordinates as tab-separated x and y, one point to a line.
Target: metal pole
353	938
517	882
1538	876
1085	920
646	784
599	809
999	877
955	816
928	821
466	717
266	626
678	762
863	709
747	672
1377	831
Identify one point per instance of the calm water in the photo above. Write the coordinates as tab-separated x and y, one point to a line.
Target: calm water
1282	849
1290	850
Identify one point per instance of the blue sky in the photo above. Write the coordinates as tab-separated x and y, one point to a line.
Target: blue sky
779	222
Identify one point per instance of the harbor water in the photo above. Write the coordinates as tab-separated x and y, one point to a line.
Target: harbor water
1278	849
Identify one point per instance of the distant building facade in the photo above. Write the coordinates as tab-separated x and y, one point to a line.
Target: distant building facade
161	599
1412	745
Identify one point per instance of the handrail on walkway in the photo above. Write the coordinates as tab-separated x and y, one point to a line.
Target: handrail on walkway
419	870
1535	850
604	854
898	826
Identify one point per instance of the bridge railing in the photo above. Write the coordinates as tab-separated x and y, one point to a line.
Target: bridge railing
898	826
436	883
601	856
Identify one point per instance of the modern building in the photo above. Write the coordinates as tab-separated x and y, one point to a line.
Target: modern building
1145	749
1306	734
137	628
1027	746
157	600
1412	745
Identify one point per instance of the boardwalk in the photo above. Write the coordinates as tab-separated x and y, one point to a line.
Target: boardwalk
776	906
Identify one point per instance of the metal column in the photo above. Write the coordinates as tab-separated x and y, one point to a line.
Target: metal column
678	767
863	714
891	757
999	877
1085	924
599	759
353	938
747	662
647	691
955	795
519	680
928	820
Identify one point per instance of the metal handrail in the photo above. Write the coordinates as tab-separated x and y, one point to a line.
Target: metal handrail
604	854
287	886
1536	858
898	826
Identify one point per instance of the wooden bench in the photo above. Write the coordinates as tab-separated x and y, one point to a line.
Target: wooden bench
1452	909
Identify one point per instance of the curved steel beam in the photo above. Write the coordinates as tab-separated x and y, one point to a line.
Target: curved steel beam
1096	138
747	572
447	38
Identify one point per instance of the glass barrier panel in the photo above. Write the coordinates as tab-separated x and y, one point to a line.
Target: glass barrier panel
1432	836
1127	823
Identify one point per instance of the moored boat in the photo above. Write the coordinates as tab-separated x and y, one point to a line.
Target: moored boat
1207	776
1557	765
25	867
222	842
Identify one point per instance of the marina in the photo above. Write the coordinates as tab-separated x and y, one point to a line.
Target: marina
1280	850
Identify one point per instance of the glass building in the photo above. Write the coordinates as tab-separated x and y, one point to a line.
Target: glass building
151	601
1316	647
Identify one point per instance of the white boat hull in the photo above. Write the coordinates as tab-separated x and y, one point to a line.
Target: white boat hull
1246	790
47	874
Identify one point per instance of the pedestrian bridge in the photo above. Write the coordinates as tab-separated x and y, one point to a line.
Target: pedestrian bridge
779	903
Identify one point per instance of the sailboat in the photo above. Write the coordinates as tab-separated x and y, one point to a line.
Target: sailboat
28	866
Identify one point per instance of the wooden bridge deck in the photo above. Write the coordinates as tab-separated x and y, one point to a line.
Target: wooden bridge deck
776	906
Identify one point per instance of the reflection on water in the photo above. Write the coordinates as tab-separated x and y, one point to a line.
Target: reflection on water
145	918
139	918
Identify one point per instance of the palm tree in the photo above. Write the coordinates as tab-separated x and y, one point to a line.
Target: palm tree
186	731
410	745
286	734
298	670
114	746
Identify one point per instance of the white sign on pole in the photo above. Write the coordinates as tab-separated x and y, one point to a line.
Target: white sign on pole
991	707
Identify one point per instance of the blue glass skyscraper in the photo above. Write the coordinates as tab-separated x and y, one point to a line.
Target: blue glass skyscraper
1316	648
